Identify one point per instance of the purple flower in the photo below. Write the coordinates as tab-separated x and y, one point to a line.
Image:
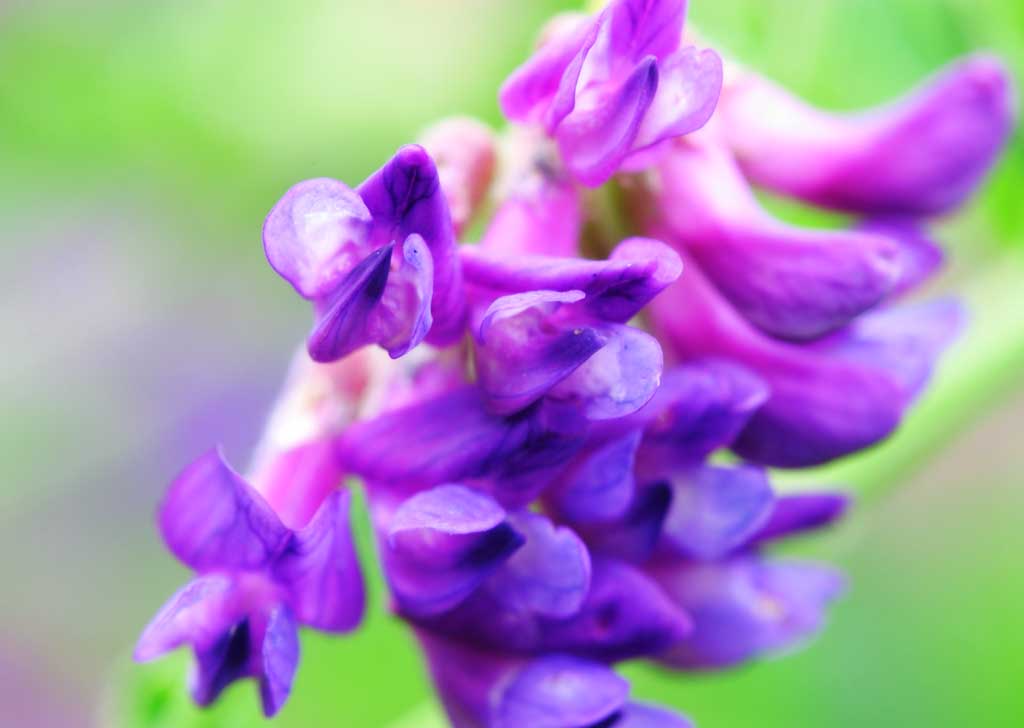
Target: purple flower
611	87
257	582
922	155
379	263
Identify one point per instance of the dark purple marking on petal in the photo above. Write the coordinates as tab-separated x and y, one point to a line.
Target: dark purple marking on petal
279	655
217	666
405	198
557	691
634	536
594	140
342	326
319	570
799	512
211	518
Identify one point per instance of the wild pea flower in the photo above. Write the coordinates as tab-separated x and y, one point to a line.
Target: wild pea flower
538	448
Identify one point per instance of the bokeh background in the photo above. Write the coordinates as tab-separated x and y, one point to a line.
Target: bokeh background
141	144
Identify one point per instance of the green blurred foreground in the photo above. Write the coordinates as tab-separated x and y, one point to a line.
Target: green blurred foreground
167	130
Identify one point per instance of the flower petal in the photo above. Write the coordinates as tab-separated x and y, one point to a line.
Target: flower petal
198	614
616	289
922	155
219	665
319	570
464	152
618	379
405	198
746	607
279	660
441	544
344	324
799	512
640	28
791	282
598	135
549	575
634	536
212	519
635	715
918	256
716	509
558	691
522	352
689	83
312	235
598	485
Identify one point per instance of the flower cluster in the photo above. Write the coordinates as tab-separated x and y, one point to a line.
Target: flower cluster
538	444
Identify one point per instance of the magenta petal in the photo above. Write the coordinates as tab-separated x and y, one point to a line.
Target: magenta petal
922	155
405	198
343	325
716	509
617	380
640	28
801	512
598	135
319	570
791	282
549	575
442	543
198	614
279	660
918	257
559	691
212	519
689	83
311	236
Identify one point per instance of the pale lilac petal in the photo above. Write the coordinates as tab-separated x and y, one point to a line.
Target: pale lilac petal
689	83
549	575
198	614
279	660
441	544
922	155
522	353
715	509
315	233
799	512
745	607
212	519
403	318
319	570
405	198
597	136
617	380
559	691
598	484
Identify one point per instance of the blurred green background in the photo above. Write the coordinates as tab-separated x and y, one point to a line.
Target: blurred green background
141	143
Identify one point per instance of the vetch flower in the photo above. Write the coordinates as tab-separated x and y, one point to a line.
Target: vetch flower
378	263
257	582
611	87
